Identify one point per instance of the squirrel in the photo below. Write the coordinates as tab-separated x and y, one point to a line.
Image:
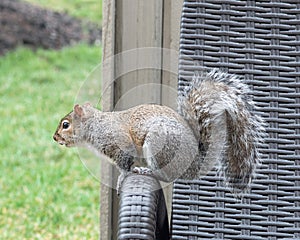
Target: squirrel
214	125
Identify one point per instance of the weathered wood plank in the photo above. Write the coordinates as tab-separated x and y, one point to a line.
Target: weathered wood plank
171	34
140	62
106	192
139	26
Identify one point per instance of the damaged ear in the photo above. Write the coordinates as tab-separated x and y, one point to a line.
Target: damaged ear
78	110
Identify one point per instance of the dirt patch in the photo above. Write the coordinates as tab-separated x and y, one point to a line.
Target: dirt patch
24	24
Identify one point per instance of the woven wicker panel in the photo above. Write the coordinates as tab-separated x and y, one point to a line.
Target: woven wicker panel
259	40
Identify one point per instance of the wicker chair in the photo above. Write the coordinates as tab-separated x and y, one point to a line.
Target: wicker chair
142	209
260	41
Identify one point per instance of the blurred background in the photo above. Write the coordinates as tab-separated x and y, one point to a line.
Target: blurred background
47	50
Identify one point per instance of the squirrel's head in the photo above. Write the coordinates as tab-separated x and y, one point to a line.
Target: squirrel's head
68	132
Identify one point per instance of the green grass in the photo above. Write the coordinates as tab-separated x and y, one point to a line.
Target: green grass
86	9
45	191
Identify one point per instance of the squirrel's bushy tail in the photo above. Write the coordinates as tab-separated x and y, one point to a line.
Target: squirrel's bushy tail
218	108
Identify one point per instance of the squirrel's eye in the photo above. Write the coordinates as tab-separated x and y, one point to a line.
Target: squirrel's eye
65	125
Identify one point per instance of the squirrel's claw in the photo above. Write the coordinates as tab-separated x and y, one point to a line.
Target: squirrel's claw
142	171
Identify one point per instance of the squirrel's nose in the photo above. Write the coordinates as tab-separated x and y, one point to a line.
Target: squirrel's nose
55	138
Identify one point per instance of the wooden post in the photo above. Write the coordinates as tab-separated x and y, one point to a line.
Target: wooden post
140	60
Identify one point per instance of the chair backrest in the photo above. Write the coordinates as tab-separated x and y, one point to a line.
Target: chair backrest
259	40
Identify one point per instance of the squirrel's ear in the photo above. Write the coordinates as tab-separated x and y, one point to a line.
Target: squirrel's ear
87	104
78	110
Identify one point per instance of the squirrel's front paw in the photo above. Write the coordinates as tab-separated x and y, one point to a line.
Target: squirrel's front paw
142	170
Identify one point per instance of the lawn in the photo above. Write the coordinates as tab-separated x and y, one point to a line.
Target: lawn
45	191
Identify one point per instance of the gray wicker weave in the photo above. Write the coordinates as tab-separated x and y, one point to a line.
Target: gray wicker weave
259	40
142	209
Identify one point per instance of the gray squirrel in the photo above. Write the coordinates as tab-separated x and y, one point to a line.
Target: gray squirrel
214	125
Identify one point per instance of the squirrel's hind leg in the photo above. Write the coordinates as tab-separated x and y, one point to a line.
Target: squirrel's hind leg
121	178
170	149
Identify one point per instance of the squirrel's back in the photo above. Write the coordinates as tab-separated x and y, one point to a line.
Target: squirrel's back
142	117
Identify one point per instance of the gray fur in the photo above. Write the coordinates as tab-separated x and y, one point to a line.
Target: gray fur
219	109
